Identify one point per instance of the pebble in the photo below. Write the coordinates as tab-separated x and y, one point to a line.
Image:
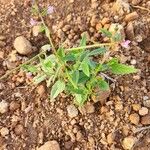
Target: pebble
145	120
14	106
36	30
50	145
134	118
136	2
68	145
1	55
22	45
133	62
72	111
130	31
41	90
2	38
110	138
136	107
131	17
146	103
4	131
129	142
143	111
93	21
2	44
79	136
3	107
19	129
146	44
105	21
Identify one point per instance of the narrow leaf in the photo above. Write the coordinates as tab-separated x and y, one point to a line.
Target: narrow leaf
83	40
85	66
98	51
38	79
29	68
103	85
106	32
57	88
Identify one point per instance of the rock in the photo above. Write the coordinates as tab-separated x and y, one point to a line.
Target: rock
143	111
72	111
136	2
50	145
87	108
2	38
136	107
146	103
41	90
128	142
110	138
145	120
3	107
79	136
22	45
134	118
101	96
2	44
94	21
14	106
132	16
4	131
19	129
60	34
98	26
68	145
36	30
130	31
146	44
133	62
66	28
105	21
1	55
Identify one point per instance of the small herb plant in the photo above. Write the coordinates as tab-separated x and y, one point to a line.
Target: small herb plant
76	71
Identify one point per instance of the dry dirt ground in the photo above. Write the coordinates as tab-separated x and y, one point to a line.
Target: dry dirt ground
29	120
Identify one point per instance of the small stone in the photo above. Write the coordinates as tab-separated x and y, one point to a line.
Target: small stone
79	136
136	107
133	62
132	16
136	2
110	138
36	30
19	129
145	120
60	34
98	26
66	28
50	145
71	1
94	21
134	118
130	31
119	106
90	108
143	111
72	111
2	44
146	44
14	106
68	145
2	38
22	45
3	107
129	142
41	90
146	103
4	131
1	55
105	21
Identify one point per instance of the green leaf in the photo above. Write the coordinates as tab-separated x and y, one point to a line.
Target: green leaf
75	76
82	78
61	53
80	99
69	57
29	68
103	85
117	37
46	47
92	64
44	12
39	78
85	66
57	88
120	69
98	51
42	28
106	32
83	40
34	9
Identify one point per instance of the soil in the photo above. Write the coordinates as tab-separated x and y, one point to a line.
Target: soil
28	119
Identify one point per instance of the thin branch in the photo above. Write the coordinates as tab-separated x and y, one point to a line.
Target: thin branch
141	129
142	8
106	76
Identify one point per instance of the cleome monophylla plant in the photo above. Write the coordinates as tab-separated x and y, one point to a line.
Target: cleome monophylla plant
76	71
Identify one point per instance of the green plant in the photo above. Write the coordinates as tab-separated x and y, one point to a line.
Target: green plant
76	71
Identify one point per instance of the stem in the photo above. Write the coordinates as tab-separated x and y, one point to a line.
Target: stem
17	68
90	46
142	8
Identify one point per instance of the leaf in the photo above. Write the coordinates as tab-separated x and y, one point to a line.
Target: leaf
85	66
117	37
83	40
44	12
38	79
57	88
106	32
49	81
98	51
42	28
69	57
103	85
120	69
61	53
92	64
80	99
82	78
75	76
46	47
29	68
34	9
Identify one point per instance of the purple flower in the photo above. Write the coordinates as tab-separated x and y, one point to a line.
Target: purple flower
125	44
29	75
33	22
50	9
